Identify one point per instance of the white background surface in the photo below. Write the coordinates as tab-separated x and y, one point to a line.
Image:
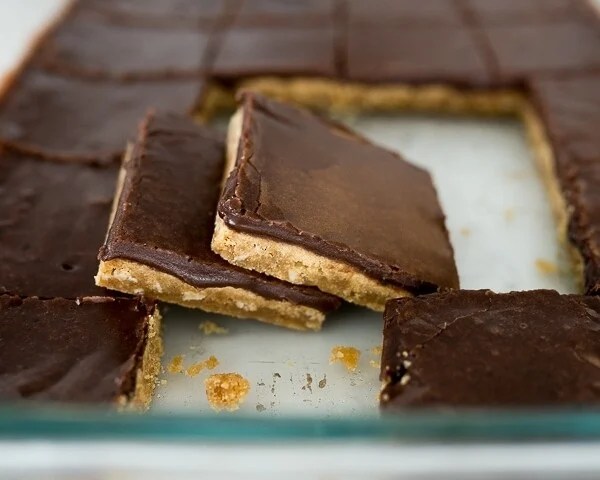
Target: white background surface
500	224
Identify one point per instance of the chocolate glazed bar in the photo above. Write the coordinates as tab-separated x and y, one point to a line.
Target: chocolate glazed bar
123	50
158	243
52	222
310	202
84	120
569	156
95	350
482	349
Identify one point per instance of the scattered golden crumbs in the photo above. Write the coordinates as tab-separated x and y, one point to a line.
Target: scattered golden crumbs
211	328
348	356
208	364
176	365
546	267
376	350
465	232
226	391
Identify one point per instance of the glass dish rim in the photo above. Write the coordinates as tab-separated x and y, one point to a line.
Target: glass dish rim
77	422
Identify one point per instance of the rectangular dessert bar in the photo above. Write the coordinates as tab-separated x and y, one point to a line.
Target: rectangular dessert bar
482	349
404	12
248	51
190	13
95	350
416	54
515	12
53	219
310	202
158	243
523	51
84	120
123	50
568	151
276	12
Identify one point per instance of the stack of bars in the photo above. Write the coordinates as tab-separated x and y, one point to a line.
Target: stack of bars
290	213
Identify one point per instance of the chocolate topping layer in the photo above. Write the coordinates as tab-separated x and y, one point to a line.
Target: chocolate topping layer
123	50
165	215
522	51
481	349
84	120
404	12
63	350
187	12
416	54
570	108
525	11
53	218
291	50
307	181
290	12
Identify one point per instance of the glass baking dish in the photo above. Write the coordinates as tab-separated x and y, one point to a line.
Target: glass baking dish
501	227
504	237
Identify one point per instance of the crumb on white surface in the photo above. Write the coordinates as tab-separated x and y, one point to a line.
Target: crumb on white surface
226	391
209	364
347	356
211	328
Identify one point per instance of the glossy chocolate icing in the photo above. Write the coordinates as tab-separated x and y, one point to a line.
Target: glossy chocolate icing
514	12
123	50
481	349
416	53
53	219
570	109
74	119
307	181
165	12
404	12
251	51
63	350
524	50
165	215
286	12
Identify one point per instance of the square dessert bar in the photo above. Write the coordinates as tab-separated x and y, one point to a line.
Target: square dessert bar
95	350
82	119
310	202
482	349
526	50
158	243
53	219
247	51
123	50
416	53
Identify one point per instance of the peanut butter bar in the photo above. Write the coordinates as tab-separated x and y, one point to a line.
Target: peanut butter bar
84	120
53	219
158	244
482	349
310	202
122	50
568	153
95	350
